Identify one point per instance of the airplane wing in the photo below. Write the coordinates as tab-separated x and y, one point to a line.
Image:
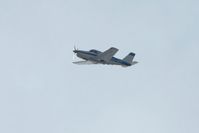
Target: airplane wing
108	54
84	62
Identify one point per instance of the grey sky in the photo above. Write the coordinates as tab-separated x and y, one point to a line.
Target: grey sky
42	91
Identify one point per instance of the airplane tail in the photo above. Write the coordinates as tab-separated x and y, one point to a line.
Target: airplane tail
129	58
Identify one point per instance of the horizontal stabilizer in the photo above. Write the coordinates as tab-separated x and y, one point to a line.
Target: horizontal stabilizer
134	62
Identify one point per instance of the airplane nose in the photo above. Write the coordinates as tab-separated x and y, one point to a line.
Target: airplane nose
75	51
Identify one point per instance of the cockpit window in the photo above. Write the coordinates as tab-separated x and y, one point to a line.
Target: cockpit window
94	51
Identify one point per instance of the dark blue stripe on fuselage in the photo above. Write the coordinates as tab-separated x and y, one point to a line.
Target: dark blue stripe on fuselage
120	61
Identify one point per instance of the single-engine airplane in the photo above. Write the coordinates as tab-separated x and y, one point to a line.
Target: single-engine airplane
96	57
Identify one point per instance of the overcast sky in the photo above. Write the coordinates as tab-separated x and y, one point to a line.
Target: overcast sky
41	91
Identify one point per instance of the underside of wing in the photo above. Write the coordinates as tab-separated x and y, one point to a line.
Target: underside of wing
108	54
84	62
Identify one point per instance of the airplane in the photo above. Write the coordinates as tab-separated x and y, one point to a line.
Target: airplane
97	57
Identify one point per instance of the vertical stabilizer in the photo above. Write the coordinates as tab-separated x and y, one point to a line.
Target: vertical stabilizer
129	58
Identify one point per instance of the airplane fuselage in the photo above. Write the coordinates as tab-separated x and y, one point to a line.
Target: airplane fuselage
93	57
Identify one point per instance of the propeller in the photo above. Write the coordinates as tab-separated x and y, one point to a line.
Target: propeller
74	53
75	49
